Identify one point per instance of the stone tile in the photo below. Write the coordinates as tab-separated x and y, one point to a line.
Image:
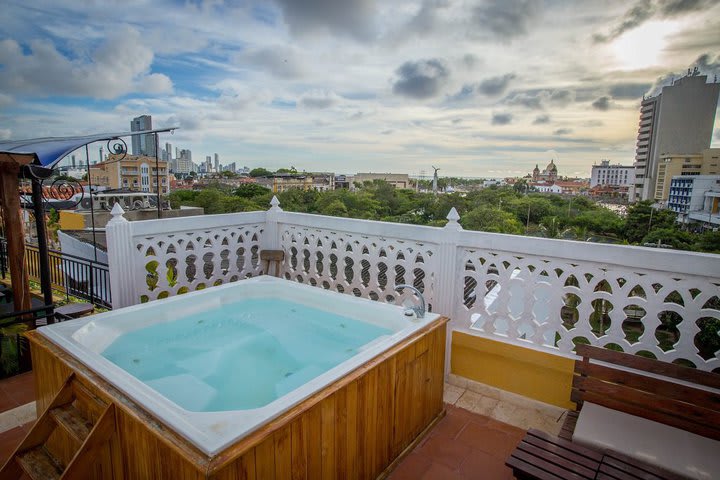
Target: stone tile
20	388
495	442
482	465
451	393
451	425
483	389
476	403
7	402
457	380
439	471
444	450
411	468
17	416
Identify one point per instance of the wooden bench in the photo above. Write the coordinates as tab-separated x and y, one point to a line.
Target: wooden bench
645	388
540	456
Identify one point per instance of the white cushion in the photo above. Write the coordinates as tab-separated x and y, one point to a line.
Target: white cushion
652	442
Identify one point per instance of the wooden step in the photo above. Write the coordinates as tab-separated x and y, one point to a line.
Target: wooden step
73	421
40	465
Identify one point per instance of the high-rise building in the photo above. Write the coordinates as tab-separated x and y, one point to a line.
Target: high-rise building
217	162
679	120
142	144
168	151
184	162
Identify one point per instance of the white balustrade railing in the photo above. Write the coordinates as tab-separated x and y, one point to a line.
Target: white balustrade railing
538	293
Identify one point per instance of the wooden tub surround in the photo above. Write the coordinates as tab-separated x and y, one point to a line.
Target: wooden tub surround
355	428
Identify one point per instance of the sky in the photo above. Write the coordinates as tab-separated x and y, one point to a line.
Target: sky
479	88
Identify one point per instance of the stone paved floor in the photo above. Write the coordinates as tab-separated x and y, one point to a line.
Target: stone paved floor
482	426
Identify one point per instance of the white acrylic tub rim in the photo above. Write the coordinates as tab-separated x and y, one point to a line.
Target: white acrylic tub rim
211	432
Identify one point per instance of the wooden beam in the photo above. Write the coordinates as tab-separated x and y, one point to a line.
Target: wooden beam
10	204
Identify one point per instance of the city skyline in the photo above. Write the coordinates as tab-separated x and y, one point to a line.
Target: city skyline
477	88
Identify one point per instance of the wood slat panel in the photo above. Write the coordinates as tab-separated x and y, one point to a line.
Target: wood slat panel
283	453
655	406
299	439
327	437
645	383
265	459
667	369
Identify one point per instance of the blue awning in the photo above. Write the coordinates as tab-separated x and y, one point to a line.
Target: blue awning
49	151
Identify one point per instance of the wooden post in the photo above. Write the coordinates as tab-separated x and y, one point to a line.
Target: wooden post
10	204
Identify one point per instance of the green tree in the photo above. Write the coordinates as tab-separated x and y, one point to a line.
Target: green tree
336	208
642	219
286	170
490	219
250	190
600	221
669	236
260	172
707	242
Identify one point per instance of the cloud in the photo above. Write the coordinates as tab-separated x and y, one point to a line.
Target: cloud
527	100
671	8
644	10
471	61
541	120
119	66
422	79
593	123
563	131
6	100
602	103
629	91
495	85
502	118
353	18
5	133
387	132
506	19
318	99
278	60
562	97
706	64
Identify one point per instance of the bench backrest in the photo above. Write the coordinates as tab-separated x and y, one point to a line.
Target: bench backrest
658	399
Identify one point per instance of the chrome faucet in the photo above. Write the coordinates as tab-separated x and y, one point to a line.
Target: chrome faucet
419	310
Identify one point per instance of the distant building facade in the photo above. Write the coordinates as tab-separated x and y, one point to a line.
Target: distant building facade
696	198
397	180
678	120
142	144
612	175
673	165
548	175
133	172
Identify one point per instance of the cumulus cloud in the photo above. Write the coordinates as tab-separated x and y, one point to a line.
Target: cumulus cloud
562	98
527	100
541	120
422	79
318	99
540	99
645	10
495	85
593	123
563	131
602	103
119	66
502	118
354	18
629	91
505	19
277	60
471	61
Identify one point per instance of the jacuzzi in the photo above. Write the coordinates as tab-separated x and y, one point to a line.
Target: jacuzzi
184	393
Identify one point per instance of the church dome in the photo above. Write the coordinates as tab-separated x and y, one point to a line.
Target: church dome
551	166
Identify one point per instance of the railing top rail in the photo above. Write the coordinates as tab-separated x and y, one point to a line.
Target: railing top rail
183	224
402	231
626	256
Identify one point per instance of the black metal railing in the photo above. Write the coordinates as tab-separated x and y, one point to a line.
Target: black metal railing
14	347
70	275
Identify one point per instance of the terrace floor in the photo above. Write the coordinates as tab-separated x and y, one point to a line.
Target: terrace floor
482	427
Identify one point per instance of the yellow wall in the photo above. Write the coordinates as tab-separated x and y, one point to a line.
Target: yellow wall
531	373
71	221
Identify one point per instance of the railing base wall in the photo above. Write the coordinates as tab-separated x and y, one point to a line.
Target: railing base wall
534	374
